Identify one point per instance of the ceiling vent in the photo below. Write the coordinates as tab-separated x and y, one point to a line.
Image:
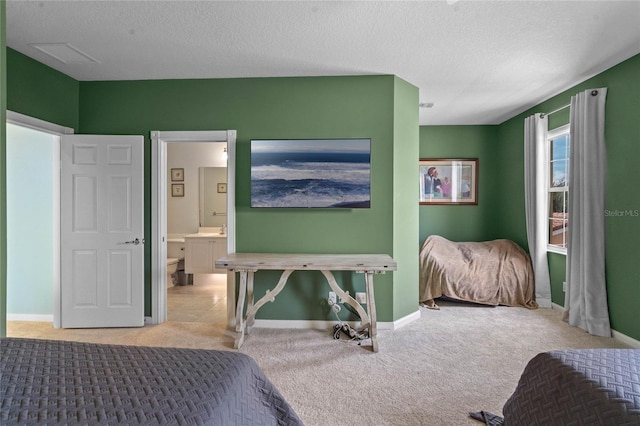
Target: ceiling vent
65	53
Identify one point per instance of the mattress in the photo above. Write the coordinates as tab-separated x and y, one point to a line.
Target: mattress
58	382
578	387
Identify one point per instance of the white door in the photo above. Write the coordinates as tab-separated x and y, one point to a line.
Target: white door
101	231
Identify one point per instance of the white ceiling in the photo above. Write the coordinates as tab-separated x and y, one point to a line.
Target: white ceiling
479	62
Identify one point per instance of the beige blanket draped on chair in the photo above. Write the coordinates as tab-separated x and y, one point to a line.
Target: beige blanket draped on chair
497	272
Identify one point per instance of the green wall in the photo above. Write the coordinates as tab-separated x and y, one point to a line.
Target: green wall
264	108
622	134
38	91
464	222
3	181
405	189
557	275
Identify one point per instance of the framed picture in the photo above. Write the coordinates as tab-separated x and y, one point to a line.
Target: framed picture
328	173
177	175
448	181
222	187
177	189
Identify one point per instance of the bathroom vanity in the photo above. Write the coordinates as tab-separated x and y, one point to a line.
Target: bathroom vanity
202	250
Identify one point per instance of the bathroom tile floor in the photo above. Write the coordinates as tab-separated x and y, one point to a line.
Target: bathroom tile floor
204	301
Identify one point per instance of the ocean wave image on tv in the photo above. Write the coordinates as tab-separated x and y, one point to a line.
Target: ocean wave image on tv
311	173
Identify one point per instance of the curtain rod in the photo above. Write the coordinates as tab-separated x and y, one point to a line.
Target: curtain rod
594	92
556	110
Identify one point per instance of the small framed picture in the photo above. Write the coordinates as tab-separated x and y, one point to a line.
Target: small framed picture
177	189
222	187
177	175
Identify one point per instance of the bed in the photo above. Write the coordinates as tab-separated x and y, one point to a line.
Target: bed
580	386
59	382
575	387
497	272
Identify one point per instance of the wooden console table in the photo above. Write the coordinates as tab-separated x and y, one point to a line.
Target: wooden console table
248	263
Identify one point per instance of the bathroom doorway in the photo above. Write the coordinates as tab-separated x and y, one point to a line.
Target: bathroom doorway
162	190
196	204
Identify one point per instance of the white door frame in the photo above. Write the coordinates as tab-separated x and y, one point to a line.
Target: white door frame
159	140
57	130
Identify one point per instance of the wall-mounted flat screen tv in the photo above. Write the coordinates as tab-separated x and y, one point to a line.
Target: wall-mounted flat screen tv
311	173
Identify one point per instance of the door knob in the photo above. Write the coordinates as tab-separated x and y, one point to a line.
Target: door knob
136	241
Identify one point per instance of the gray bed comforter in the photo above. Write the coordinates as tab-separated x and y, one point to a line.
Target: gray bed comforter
57	382
578	387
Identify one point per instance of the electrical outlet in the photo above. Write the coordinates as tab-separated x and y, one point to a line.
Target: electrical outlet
332	298
361	298
564	286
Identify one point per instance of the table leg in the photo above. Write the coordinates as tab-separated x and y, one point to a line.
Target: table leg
269	296
240	323
250	319
368	317
371	307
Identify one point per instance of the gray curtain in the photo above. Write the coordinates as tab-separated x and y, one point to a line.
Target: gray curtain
586	297
535	197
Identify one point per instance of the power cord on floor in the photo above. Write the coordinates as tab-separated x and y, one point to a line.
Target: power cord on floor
349	331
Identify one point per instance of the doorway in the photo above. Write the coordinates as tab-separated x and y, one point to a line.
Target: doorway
30	224
196	204
159	195
44	226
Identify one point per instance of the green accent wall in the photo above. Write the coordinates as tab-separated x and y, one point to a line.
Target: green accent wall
3	162
464	222
405	189
267	108
39	91
622	134
557	275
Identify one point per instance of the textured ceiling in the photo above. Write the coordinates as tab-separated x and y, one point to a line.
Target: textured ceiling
479	62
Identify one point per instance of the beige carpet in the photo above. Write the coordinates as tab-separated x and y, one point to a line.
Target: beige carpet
432	371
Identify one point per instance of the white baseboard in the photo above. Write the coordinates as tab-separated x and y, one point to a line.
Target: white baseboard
30	317
402	321
626	339
328	325
615	334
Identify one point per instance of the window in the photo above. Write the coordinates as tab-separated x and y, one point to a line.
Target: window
558	141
